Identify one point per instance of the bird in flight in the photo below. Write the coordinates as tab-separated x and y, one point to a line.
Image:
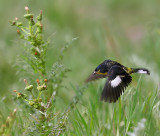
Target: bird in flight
119	77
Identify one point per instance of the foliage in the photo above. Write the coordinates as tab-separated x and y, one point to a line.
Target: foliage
127	31
5	129
40	98
132	115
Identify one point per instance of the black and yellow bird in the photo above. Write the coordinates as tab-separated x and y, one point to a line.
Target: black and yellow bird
118	78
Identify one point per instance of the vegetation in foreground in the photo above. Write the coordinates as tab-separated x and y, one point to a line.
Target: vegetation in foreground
136	113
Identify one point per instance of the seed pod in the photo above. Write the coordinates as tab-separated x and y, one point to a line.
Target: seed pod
18	32
13	23
33	43
36	106
29	88
40	99
19	24
40	88
35	100
25	96
38	82
28	16
45	80
39	30
26	8
19	95
39	18
8	122
31	103
31	22
36	53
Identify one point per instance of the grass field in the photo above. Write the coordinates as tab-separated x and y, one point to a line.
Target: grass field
125	31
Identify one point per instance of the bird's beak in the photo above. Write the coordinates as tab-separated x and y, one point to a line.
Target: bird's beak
94	72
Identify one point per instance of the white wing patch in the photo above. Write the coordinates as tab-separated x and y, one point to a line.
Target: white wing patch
116	82
142	71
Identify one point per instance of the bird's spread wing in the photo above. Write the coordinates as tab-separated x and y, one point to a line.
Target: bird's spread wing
95	76
118	80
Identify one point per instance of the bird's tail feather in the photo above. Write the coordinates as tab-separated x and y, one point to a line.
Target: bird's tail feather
140	70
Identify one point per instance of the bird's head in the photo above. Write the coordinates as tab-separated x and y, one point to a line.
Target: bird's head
104	67
101	69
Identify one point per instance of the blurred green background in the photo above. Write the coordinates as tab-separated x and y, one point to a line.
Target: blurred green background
126	31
